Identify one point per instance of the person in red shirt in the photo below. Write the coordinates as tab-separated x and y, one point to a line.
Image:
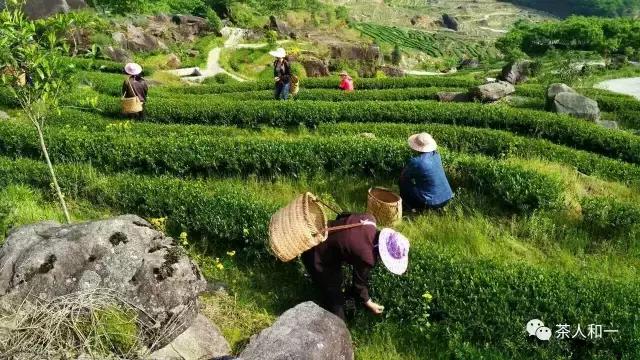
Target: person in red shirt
346	82
361	247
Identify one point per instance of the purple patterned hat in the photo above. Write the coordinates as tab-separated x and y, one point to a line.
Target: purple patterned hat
394	251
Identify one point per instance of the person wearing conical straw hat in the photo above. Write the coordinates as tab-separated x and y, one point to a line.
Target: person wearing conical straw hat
423	183
135	86
361	247
281	73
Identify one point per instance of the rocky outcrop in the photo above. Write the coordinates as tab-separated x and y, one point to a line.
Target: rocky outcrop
576	105
346	51
203	340
516	72
173	62
450	22
137	40
392	71
314	67
279	26
553	90
492	91
117	54
124	254
306	332
38	9
469	64
453	96
562	99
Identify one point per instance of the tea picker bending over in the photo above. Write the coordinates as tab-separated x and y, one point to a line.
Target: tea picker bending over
362	247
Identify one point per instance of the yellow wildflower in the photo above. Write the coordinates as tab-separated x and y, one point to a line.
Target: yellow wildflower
231	253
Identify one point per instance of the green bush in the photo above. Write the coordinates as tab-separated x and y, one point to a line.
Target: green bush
487	304
494	143
559	129
513	186
332	83
225	213
609	217
325	95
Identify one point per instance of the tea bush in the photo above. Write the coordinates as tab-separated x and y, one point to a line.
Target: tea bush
560	129
333	82
427	93
608	217
498	144
488	303
514	187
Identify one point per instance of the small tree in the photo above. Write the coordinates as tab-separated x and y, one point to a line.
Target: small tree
396	55
272	38
35	73
214	21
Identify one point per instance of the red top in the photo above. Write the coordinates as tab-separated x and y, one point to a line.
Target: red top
347	83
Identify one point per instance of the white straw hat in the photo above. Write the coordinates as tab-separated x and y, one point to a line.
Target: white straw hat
133	69
423	142
394	251
279	53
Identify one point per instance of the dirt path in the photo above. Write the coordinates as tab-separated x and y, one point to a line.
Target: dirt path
234	35
627	86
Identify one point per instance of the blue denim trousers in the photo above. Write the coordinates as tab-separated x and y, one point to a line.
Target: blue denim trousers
282	91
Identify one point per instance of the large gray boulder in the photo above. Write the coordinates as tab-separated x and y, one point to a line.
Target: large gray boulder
576	105
450	22
203	340
306	332
516	72
553	90
446	96
38	9
492	91
124	254
138	40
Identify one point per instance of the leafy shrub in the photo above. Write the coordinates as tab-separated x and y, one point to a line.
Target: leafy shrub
487	303
515	187
608	217
325	94
330	83
560	129
214	21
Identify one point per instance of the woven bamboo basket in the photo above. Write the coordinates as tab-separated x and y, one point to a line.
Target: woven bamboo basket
385	206
131	105
297	227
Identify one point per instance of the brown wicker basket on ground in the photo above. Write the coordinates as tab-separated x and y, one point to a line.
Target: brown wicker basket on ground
297	227
385	206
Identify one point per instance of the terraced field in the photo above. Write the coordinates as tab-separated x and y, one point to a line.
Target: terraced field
546	221
435	44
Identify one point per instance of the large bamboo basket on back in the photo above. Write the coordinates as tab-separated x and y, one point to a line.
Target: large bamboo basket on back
298	227
385	206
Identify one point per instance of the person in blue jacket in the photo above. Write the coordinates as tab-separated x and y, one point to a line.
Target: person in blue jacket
423	183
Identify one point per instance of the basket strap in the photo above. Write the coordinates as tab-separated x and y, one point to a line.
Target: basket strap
350	226
327	206
131	88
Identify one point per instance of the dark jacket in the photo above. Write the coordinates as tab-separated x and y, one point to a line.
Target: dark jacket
355	247
283	71
423	181
139	85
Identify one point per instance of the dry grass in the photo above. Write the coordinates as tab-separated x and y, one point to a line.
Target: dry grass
97	323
